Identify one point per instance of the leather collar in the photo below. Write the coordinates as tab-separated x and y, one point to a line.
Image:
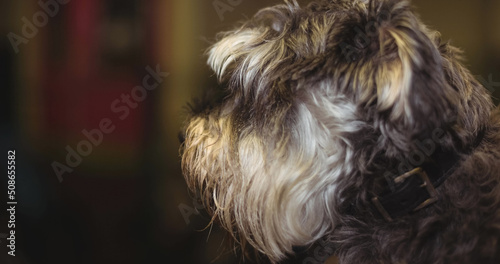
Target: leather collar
416	189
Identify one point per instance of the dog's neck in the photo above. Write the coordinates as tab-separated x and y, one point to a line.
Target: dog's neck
416	189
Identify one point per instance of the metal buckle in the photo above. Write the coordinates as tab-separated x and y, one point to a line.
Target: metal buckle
433	195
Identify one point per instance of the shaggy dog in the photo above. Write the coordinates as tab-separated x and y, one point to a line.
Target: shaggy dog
349	123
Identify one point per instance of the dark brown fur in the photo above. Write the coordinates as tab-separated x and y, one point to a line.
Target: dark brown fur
464	225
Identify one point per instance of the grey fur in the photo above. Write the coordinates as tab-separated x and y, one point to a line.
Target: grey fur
318	104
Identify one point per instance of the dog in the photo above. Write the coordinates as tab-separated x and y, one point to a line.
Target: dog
347	123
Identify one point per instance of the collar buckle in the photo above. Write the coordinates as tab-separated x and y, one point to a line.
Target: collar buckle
426	183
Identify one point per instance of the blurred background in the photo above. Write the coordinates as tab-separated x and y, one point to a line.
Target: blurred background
70	68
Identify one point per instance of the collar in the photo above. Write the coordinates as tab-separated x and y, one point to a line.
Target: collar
416	189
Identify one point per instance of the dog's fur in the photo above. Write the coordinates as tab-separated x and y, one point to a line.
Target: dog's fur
319	103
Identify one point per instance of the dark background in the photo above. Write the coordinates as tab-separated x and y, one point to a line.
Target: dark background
127	202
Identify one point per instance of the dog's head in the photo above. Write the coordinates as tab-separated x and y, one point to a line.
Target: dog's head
317	102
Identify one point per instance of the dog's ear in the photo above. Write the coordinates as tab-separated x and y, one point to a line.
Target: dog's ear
403	71
250	52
